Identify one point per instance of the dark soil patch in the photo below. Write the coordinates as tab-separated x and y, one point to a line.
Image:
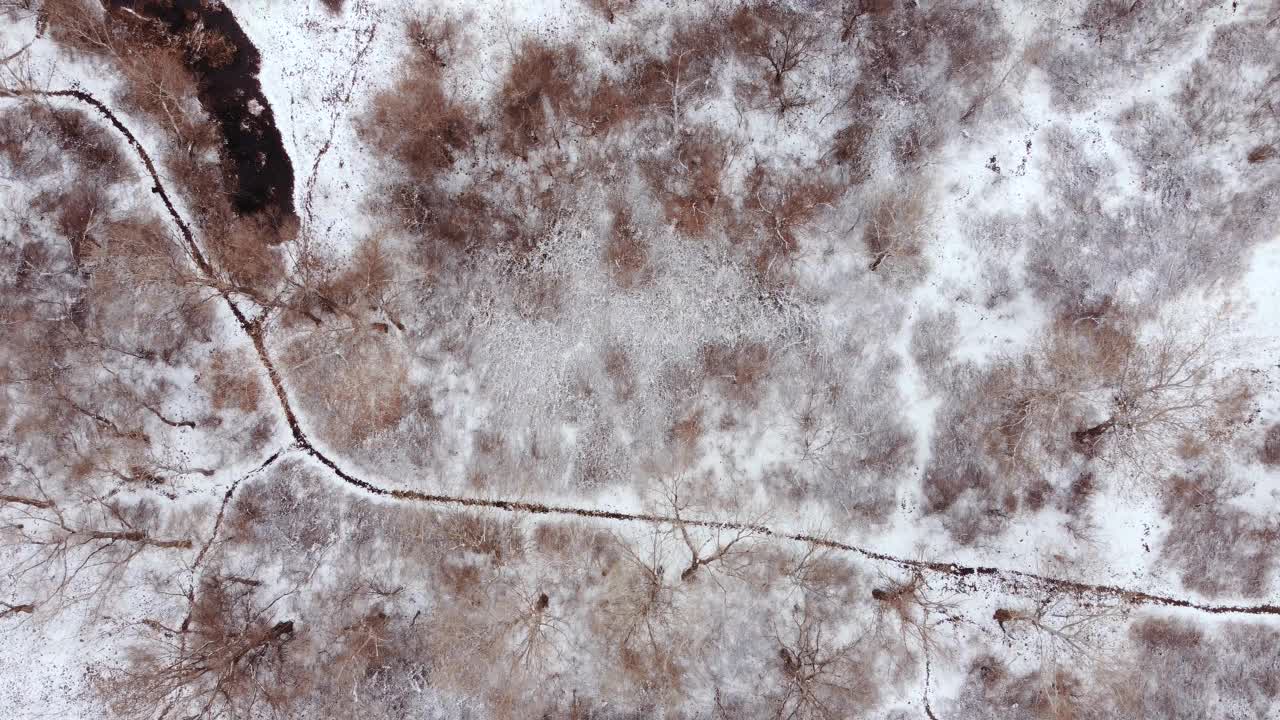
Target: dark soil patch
230	92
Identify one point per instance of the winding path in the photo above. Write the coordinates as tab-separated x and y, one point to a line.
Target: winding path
1015	581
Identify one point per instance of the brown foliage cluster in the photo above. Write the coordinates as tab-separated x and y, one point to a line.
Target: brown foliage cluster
852	149
626	252
230	655
91	146
895	233
1167	668
738	368
355	377
362	287
416	121
153	65
1271	446
83	269
1218	547
1057	693
1090	391
35	138
621	373
234	382
693	195
541	84
1179	666
901	43
499	540
782	206
683	77
290	515
978	476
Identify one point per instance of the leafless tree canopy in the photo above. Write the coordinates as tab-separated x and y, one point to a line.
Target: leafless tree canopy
789	359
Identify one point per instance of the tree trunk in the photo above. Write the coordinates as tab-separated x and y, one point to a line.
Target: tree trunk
1088	438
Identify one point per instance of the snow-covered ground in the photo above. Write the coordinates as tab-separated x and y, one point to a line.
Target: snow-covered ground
321	71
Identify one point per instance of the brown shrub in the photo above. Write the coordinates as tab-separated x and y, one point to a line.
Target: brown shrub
617	365
357	379
79	25
540	76
739	368
417	124
501	539
23	145
887	449
933	338
626	253
972	480
1271	446
80	215
233	382
361	286
94	148
683	78
159	86
539	296
234	665
460	578
783	206
556	538
897	229
208	48
944	485
691	194
851	147
609	105
242	248
685	434
434	39
1217	547
1178	663
1140	32
28	133
1076	498
1261	154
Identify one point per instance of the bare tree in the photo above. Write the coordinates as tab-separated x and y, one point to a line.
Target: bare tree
915	610
529	628
822	675
1172	383
640	607
227	657
609	9
727	547
781	37
897	230
851	11
1064	635
82	549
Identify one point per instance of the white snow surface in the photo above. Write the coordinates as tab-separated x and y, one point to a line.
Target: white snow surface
319	73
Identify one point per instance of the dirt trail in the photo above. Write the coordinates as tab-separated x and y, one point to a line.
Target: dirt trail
1014	581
